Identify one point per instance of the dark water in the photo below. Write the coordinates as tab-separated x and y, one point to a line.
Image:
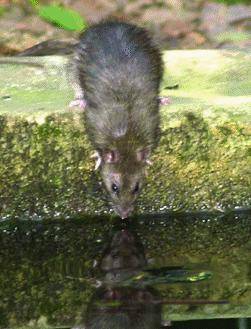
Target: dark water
107	273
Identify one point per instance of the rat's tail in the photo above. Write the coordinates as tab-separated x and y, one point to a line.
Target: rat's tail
50	47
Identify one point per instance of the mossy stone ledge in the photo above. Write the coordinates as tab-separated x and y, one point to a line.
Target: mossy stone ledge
201	163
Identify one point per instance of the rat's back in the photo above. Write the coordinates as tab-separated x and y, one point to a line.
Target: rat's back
119	70
112	46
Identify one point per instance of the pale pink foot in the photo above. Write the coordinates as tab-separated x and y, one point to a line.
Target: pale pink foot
79	102
164	100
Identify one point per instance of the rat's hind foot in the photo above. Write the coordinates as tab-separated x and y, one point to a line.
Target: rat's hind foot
97	158
78	102
164	100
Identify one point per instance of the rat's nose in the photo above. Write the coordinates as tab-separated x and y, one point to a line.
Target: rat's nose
124	212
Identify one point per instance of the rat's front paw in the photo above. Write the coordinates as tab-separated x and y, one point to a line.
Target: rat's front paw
98	160
79	102
164	100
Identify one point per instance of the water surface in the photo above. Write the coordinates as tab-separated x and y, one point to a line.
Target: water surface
125	274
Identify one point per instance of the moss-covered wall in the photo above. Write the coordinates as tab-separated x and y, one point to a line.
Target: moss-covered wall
201	162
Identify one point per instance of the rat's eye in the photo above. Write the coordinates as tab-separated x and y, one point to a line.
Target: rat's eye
136	188
115	188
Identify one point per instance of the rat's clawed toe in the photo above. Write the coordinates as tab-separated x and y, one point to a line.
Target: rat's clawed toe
97	158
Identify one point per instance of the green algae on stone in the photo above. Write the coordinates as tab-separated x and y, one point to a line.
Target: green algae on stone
45	168
201	162
35	90
201	165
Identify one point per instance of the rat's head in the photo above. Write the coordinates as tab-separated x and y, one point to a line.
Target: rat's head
124	178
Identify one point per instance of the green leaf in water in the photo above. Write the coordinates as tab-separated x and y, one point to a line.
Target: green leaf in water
114	303
200	276
166	277
65	18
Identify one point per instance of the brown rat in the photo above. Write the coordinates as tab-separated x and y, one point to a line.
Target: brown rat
119	70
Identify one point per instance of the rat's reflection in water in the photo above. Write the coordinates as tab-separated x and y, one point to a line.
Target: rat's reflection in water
114	306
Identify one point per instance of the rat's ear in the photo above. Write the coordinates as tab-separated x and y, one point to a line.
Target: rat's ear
110	156
143	155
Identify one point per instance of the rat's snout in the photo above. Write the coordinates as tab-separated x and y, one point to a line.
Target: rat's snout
123	212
